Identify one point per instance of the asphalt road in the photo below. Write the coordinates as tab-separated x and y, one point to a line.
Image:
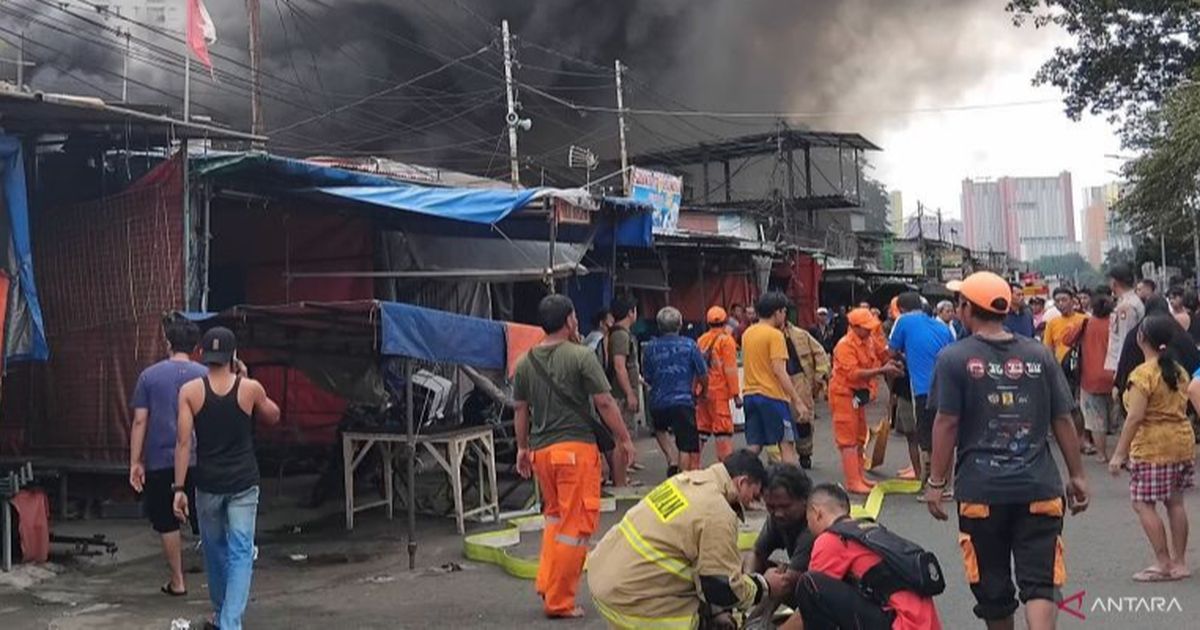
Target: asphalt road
361	580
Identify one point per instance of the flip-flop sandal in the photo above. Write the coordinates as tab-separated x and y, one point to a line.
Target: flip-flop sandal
1087	449
1181	575
167	590
1152	574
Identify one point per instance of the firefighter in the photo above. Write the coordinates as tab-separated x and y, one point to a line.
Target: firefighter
714	418
808	365
673	559
857	360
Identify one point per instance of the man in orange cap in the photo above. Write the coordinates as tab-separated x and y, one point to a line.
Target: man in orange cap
714	418
998	397
857	361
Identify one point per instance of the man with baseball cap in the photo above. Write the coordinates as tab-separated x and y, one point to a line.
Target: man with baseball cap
998	395
221	407
714	418
857	361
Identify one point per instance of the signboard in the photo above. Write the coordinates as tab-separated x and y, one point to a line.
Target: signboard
661	191
952	273
568	213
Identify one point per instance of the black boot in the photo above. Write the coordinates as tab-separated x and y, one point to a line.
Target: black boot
806	462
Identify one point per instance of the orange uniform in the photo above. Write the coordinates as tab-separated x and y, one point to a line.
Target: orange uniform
851	355
713	415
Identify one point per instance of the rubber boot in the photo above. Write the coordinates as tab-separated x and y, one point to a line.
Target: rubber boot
852	469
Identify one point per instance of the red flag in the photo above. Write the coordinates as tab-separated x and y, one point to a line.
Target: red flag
200	31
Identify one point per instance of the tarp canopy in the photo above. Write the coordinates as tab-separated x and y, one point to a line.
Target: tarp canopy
263	172
423	333
366	327
25	332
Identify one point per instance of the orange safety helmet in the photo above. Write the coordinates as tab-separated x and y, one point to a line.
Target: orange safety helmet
716	315
987	291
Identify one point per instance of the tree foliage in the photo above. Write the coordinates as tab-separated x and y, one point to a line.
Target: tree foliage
1126	57
1162	194
1072	268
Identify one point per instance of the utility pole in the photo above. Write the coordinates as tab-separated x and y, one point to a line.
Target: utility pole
939	216
511	117
21	59
187	82
621	130
256	113
921	233
125	67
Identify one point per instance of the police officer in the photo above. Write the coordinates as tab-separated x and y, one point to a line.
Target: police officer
675	553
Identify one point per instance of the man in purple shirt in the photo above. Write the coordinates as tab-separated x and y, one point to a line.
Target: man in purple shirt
152	440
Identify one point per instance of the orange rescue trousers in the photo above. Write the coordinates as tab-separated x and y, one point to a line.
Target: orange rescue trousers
568	474
714	419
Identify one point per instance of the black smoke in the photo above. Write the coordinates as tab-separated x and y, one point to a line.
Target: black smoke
859	57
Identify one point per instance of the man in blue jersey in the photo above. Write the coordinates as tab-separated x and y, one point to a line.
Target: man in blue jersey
919	338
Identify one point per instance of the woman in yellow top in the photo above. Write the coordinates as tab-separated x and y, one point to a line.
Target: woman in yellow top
1157	446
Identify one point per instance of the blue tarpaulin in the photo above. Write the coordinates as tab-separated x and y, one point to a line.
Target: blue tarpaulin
487	206
26	332
430	335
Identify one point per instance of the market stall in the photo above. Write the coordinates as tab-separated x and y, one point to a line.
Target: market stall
404	361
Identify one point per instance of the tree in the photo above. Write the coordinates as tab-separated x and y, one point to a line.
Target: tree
1071	268
1162	196
1127	55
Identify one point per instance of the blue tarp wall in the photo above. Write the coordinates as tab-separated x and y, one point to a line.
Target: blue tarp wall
25	332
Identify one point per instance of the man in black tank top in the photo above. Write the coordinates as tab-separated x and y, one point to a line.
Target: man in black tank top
220	408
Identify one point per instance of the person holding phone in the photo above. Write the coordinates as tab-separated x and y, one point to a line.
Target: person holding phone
220	407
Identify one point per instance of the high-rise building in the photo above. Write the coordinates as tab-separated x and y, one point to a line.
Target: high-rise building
896	201
1102	228
984	220
1027	217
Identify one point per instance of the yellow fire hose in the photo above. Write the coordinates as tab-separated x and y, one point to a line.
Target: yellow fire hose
495	546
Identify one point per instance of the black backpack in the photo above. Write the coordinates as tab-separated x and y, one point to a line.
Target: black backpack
905	567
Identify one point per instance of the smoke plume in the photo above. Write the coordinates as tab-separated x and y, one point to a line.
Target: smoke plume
854	56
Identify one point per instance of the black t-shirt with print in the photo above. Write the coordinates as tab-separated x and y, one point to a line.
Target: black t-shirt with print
1005	394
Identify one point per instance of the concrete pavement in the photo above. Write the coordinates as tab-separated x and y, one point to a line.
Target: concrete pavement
360	580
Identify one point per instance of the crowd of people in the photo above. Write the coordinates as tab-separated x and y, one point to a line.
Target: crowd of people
984	385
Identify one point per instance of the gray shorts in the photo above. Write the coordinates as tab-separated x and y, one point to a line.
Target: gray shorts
1100	413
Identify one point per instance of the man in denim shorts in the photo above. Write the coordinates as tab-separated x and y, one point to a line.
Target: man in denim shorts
770	398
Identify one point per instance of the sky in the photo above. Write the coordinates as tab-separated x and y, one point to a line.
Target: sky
927	155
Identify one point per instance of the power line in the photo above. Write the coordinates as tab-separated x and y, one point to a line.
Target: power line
389	90
782	115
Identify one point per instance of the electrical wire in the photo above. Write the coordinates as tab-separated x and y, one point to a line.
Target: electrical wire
389	90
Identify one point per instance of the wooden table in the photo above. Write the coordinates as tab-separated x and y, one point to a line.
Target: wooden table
449	449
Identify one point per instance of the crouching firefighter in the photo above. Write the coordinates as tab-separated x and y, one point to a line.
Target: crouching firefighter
862	576
673	560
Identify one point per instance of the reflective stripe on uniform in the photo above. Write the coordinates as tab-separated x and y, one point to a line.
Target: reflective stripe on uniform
630	621
580	541
551	519
647	551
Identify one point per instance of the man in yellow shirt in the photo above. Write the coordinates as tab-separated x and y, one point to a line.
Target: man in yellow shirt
1057	328
770	400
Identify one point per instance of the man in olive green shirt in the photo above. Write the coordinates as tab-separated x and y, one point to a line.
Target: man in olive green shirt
556	386
623	357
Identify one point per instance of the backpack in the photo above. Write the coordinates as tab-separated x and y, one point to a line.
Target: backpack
1072	360
906	566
